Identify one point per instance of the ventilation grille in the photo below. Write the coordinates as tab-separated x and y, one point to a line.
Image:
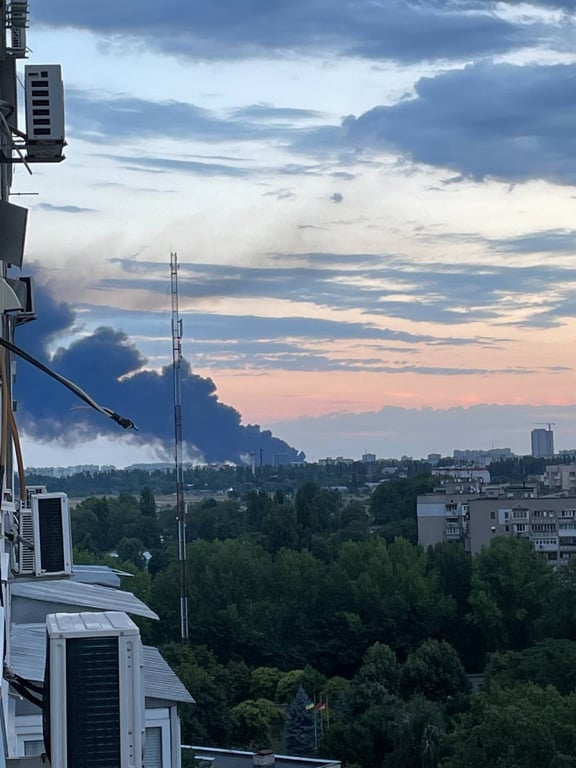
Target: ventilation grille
26	531
93	702
51	535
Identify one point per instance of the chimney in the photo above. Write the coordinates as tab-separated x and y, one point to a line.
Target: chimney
264	758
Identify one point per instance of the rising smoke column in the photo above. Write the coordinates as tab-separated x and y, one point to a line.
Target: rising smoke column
111	369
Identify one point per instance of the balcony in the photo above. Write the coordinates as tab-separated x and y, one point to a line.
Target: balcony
452	532
571	531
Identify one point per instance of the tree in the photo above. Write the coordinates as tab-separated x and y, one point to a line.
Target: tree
131	550
418	735
264	681
549	662
396	499
511	589
378	675
300	732
433	670
521	727
256	723
147	503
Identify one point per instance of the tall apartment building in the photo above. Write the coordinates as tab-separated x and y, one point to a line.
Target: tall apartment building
542	441
549	523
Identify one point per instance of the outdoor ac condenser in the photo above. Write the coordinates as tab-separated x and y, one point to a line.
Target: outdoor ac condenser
93	691
52	537
45	129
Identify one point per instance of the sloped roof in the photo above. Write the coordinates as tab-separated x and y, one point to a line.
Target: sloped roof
66	592
98	574
27	658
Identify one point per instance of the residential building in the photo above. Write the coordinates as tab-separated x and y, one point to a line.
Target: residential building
468	474
483	457
561	477
547	522
542	441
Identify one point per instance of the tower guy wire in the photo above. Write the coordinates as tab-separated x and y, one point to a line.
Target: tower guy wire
180	501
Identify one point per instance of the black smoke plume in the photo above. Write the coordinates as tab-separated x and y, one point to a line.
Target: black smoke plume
107	365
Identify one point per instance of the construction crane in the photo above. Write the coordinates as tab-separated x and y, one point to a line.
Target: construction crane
180	501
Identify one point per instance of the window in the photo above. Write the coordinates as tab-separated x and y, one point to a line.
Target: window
33	747
153	748
492	515
158	743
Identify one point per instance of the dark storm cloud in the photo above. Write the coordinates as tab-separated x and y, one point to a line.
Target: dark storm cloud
432	292
512	123
109	366
398	29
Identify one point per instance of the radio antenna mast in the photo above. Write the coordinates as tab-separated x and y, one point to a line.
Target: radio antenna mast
180	502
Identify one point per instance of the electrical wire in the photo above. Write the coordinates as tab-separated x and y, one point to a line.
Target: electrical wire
5	409
121	420
18	451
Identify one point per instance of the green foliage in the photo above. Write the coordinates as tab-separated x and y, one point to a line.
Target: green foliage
433	670
257	723
147	503
549	662
511	590
396	499
418	736
264	682
523	727
378	676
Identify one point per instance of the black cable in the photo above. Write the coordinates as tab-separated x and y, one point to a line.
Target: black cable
121	420
25	693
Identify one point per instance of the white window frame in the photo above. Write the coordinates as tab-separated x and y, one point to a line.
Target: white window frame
160	718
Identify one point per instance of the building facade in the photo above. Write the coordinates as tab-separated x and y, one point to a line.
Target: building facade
542	442
548	523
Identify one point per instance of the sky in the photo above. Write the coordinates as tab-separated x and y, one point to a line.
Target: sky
373	204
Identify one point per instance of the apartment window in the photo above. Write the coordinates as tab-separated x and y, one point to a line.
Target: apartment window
521	528
451	507
492	515
507	528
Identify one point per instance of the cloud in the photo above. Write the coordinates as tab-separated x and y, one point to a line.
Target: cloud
112	370
63	208
502	121
99	117
393	431
228	29
384	286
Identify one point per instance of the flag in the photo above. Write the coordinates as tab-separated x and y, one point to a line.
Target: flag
321	707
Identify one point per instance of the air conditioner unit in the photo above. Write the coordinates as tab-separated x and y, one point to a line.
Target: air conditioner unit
51	530
93	691
44	97
32	490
